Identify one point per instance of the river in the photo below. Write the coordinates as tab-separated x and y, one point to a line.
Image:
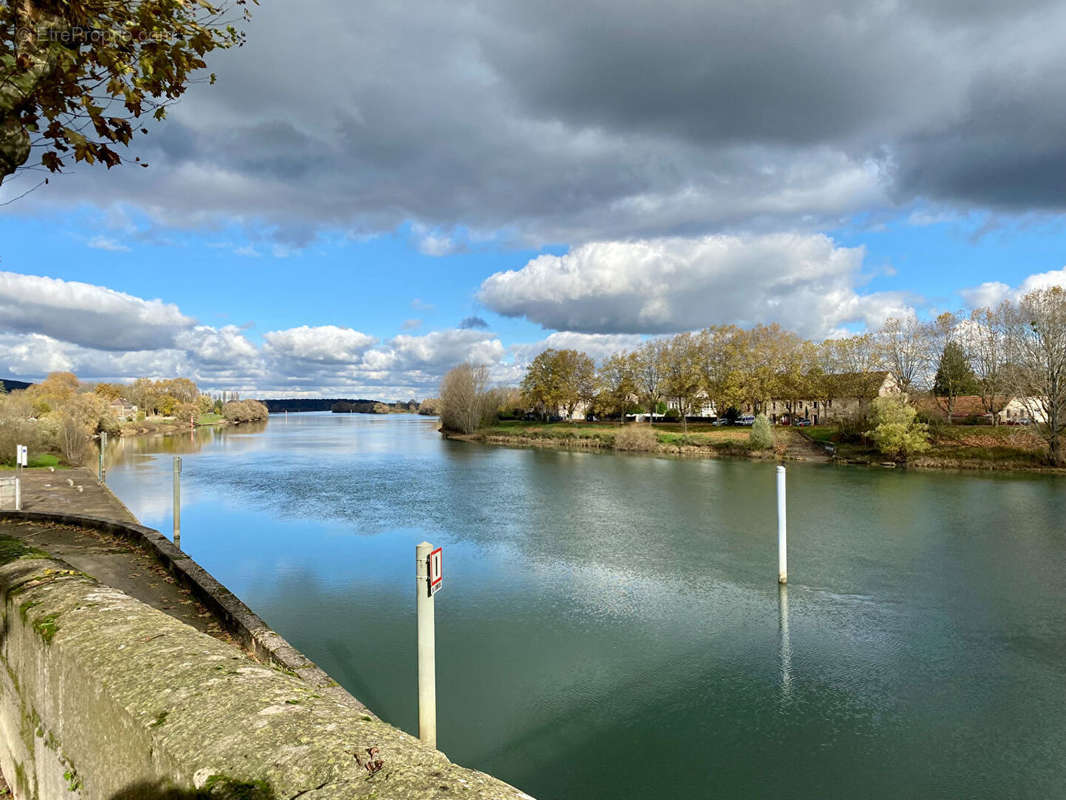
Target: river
611	626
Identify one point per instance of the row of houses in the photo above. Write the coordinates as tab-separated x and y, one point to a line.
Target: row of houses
859	389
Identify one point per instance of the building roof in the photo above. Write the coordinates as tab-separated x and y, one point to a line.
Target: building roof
861	384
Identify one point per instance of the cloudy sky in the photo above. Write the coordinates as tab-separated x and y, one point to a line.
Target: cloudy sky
372	192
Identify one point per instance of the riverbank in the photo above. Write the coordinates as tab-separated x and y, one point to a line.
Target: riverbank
700	441
956	447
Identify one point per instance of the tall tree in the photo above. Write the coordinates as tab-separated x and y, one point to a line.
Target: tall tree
903	350
648	376
986	346
682	381
616	384
721	358
954	378
1037	351
77	76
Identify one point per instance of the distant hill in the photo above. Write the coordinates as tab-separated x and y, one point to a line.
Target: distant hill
11	385
341	405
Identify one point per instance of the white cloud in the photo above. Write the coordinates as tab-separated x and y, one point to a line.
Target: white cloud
106	243
803	281
597	345
217	346
441	350
85	314
324	344
992	293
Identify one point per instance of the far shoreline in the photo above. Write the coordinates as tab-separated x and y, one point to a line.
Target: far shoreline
791	445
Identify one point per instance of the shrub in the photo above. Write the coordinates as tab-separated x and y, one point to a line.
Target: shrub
853	428
465	400
762	435
73	440
238	411
896	433
636	438
671	415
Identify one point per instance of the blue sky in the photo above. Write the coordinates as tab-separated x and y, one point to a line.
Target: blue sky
323	220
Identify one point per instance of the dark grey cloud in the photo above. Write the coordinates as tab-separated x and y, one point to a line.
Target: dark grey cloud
473	322
563	122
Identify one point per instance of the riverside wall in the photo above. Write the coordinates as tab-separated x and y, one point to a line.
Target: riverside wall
102	696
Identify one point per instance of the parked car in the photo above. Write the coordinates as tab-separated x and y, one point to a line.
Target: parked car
803	423
721	421
747	419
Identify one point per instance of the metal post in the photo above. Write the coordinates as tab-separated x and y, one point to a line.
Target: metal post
101	473
427	666
177	501
782	544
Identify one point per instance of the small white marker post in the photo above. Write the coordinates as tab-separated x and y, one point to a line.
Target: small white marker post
21	460
782	540
429	574
177	501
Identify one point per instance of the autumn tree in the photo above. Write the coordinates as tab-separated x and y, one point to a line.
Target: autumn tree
682	380
1037	350
721	360
648	375
616	383
78	76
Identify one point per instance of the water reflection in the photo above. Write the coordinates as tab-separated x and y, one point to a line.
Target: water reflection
785	641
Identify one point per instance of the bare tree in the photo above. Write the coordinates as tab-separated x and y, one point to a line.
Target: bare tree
1037	352
904	350
73	439
985	342
465	401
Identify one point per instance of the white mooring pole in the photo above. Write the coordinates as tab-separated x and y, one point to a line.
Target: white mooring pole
782	542
20	462
177	501
427	661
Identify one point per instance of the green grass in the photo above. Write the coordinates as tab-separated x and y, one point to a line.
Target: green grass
38	461
209	419
732	440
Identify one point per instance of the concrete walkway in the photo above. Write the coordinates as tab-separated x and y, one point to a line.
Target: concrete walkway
112	560
71	491
115	561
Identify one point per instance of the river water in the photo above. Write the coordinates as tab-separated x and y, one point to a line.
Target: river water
611	626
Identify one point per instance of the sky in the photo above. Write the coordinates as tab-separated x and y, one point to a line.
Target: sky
371	193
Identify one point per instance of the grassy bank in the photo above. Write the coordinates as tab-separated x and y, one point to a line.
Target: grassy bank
700	439
952	447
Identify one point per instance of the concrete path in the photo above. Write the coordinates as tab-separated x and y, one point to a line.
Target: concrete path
800	448
53	491
115	561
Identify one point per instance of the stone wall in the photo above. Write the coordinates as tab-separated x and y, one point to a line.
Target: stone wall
104	697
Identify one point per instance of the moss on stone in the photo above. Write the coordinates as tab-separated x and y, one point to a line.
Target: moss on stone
12	549
227	788
47	626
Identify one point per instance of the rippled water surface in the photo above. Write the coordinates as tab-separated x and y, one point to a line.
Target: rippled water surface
611	626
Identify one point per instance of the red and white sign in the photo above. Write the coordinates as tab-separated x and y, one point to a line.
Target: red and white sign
436	570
